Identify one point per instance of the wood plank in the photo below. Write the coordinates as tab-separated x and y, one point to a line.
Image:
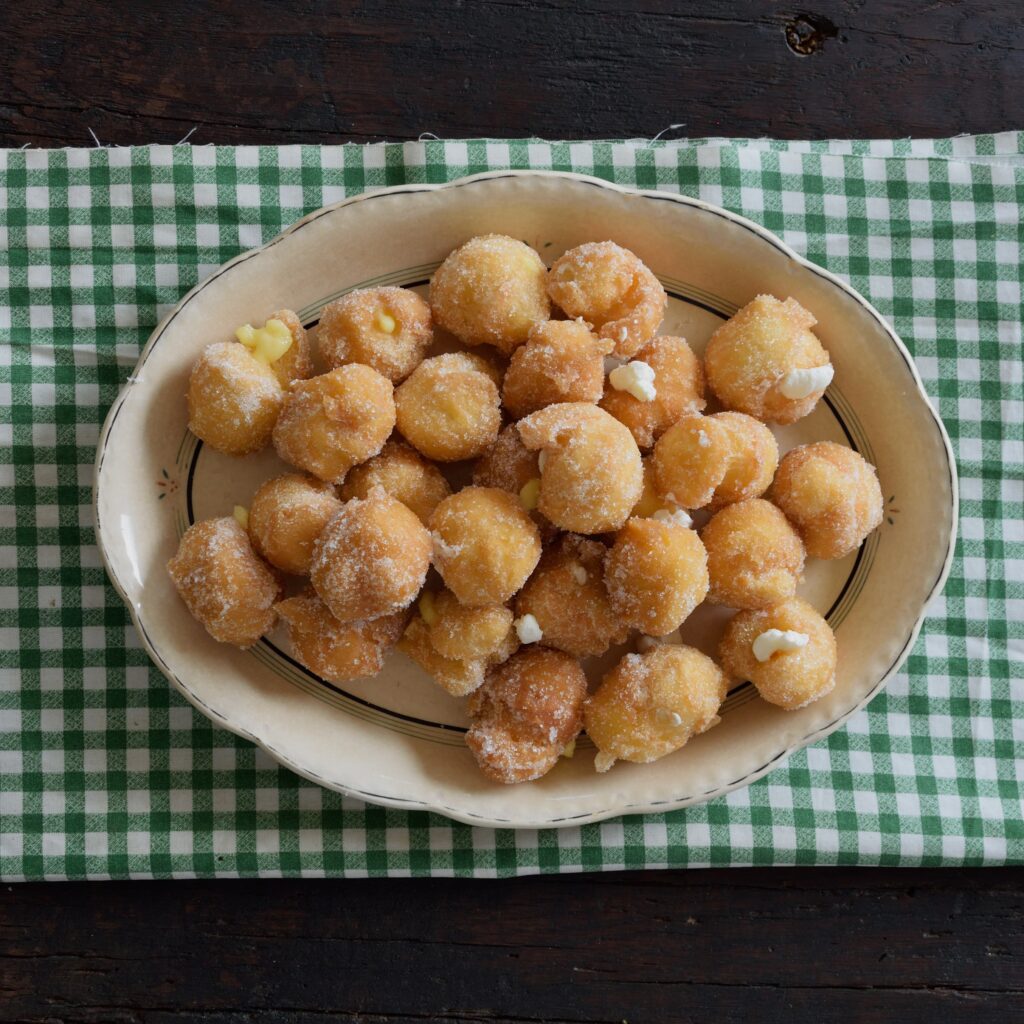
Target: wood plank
321	71
789	945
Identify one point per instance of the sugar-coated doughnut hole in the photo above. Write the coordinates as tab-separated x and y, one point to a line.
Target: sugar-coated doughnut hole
286	516
651	704
749	357
753	459
335	421
371	559
789	678
678	385
560	362
612	290
831	495
449	409
592	475
233	399
223	582
338	651
566	596
526	713
656	573
490	291
404	474
463	633
485	545
755	558
507	463
387	328
690	460
297	361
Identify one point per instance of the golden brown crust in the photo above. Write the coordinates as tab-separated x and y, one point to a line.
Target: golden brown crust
286	516
831	495
527	712
223	583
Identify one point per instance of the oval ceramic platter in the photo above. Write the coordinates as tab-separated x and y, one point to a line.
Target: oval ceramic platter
398	739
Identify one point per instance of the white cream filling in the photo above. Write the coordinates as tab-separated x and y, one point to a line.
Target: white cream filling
776	641
636	378
801	383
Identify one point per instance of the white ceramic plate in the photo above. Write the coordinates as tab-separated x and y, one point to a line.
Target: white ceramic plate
397	739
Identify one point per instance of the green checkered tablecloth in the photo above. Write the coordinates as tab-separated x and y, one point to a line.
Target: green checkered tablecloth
106	772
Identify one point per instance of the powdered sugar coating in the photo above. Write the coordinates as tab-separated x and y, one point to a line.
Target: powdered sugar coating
831	495
690	460
223	583
233	399
749	356
335	421
612	290
653	703
592	474
567	597
338	651
490	291
286	516
790	679
404	474
560	362
354	330
485	545
753	458
371	559
449	409
656	573
464	633
755	558
679	384
526	713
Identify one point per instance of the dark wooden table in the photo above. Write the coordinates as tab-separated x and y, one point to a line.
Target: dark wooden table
783	946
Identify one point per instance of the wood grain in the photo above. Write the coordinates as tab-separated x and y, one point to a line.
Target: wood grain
787	945
320	71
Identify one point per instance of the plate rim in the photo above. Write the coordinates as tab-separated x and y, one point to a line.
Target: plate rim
458	814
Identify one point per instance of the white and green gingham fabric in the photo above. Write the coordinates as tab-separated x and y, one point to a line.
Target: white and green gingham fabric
105	772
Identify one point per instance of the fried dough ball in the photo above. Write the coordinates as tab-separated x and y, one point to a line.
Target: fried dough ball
464	633
526	713
831	495
287	515
234	400
485	545
753	459
592	475
404	474
297	361
612	290
656	573
335	421
458	677
371	559
490	291
652	704
560	362
755	558
690	460
386	328
801	670
338	651
223	583
566	596
754	361
507	463
449	409
678	385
